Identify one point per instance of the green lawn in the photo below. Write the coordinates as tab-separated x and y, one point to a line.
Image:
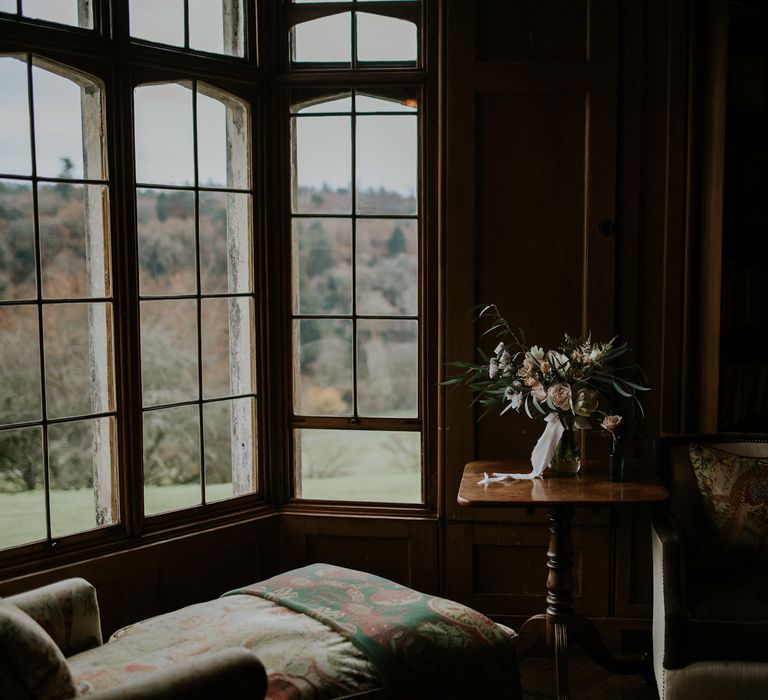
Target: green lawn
22	515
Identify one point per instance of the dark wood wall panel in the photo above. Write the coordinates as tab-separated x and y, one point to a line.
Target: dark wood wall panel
403	550
501	569
509	30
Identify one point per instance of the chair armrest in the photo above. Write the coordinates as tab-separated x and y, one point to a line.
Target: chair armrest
67	610
231	673
669	597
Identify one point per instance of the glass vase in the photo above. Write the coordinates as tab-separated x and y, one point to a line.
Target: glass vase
567	457
616	461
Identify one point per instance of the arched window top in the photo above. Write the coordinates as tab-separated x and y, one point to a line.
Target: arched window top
67	121
191	133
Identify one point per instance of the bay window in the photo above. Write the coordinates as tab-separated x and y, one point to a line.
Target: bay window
212	263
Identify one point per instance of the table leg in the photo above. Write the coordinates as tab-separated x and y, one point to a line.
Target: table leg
560	627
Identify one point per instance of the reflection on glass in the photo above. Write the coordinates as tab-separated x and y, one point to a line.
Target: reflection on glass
382	38
227	345
19	364
166	226
73	244
323	106
323	40
322	172
75	13
163	133
216	27
226	258
229	428
358	465
388	368
22	489
78	359
162	22
322	375
60	123
171	459
17	241
387	149
387	267
78	501
169	351
322	266
15	144
368	103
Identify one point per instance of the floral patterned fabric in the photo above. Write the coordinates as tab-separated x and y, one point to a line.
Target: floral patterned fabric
303	657
735	494
67	610
31	665
422	645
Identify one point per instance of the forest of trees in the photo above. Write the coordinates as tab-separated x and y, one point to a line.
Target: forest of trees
386	275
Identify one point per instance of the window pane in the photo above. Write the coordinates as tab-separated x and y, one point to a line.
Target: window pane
17	241
230	451
166	225
8	6
19	364
15	144
228	352
323	171
216	27
68	125
322	367
211	142
75	453
164	143
382	38
75	262
387	267
162	22
324	40
222	139
322	259
368	103
388	368
358	465
78	359
323	105
22	487
171	459
169	351
387	149
226	264
76	13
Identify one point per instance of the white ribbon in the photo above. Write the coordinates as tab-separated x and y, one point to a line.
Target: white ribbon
540	457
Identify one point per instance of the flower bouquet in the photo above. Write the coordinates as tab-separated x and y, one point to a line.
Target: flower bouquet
581	385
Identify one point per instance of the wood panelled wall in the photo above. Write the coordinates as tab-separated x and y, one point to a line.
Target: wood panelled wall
563	119
557	116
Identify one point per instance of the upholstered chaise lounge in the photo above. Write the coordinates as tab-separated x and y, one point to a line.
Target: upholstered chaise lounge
317	632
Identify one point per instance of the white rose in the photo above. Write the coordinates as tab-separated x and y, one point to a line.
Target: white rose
560	394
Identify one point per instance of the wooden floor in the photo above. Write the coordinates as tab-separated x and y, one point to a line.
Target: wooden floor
586	680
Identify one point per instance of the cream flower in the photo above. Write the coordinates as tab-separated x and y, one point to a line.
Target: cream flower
499	349
536	353
610	423
560	395
493	368
584	403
